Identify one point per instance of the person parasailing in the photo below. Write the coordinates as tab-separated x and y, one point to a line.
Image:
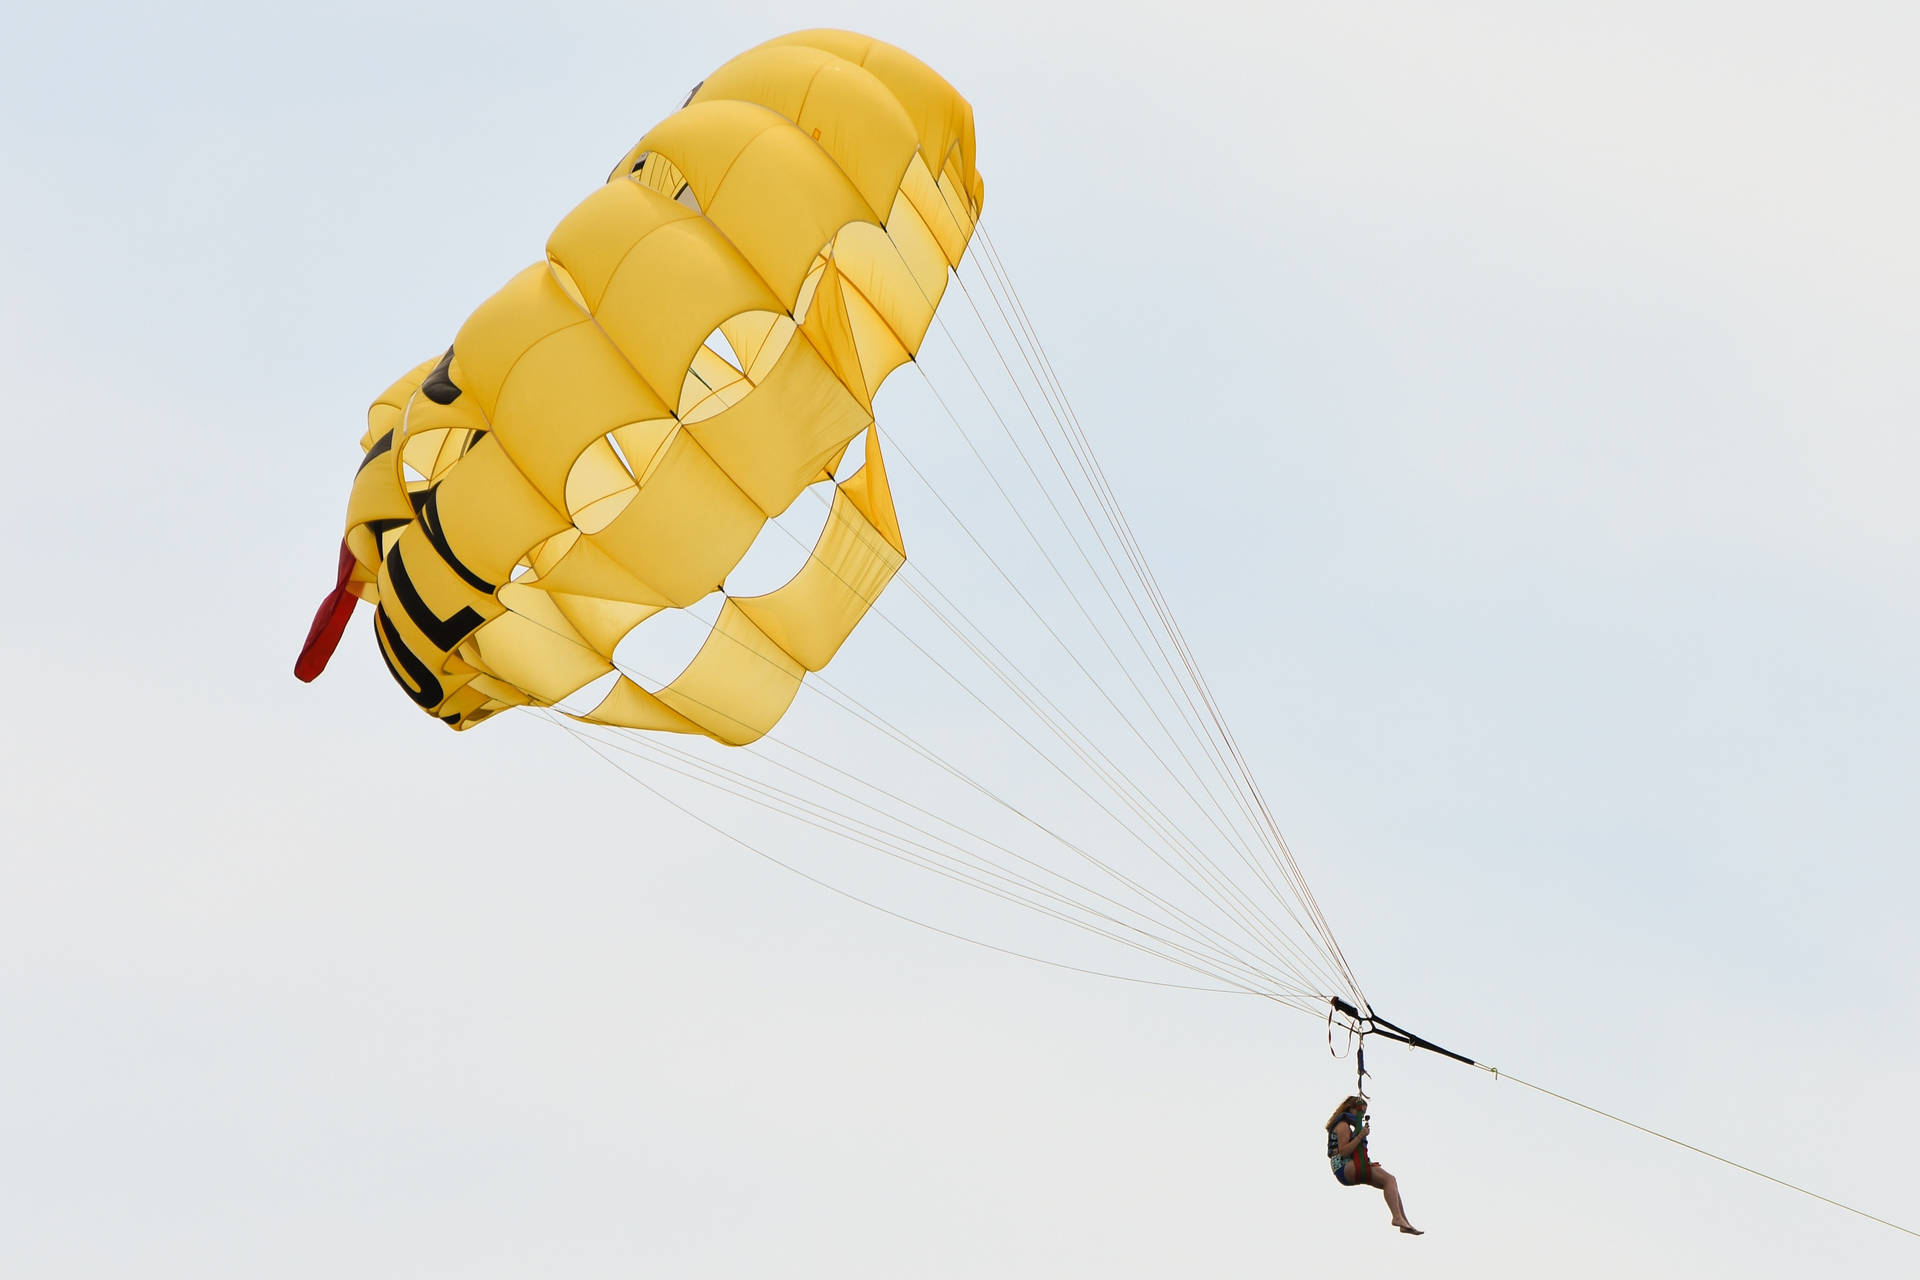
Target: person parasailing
1347	1151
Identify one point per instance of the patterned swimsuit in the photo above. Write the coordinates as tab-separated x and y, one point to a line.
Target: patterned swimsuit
1339	1162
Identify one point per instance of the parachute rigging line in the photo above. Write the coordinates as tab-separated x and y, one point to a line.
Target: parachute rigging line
630	745
1221	883
1089	460
490	525
1222	896
1145	701
852	706
599	749
1068	424
1223	890
927	857
1066	649
1090	464
1053	564
518	486
827	690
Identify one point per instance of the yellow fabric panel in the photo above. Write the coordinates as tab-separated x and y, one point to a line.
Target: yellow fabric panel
433	435
603	624
628	706
601	512
566	391
560	456
498	693
881	348
869	491
366	552
829	330
447	450
949	225
853	116
773	442
764	184
599	623
578	567
812	615
738	685
387	412
469	705
758	338
688	525
425	613
489	513
377	494
598	478
651	170
594	239
428	688
382	418
537	651
967	214
528	308
433	596
942	118
814	273
568	285
645	444
671	290
712	384
832	464
920	253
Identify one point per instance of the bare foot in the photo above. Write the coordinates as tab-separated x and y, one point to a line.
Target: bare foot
1408	1229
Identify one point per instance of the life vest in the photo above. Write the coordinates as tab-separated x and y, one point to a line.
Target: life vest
1359	1155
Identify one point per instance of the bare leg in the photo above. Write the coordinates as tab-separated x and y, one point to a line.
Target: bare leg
1390	1187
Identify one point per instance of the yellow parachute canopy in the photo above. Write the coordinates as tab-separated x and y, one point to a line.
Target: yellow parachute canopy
609	433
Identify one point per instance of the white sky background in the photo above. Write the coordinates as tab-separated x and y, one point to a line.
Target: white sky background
1519	411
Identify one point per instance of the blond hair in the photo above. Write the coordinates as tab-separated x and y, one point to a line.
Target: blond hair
1352	1102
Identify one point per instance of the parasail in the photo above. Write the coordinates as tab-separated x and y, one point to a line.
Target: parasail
610	435
610	432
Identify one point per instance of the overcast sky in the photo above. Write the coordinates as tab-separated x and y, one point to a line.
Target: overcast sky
1519	411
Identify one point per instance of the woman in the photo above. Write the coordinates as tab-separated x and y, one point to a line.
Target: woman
1347	1151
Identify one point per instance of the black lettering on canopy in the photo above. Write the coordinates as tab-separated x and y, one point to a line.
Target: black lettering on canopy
426	507
405	666
442	633
439	386
380	529
380	446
